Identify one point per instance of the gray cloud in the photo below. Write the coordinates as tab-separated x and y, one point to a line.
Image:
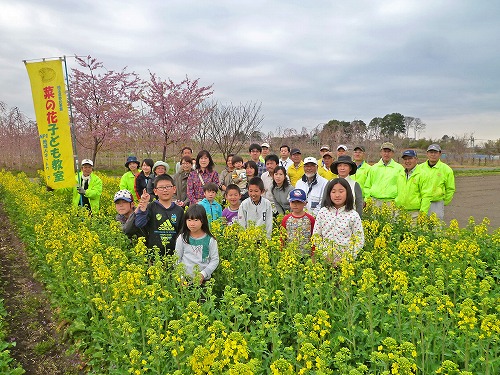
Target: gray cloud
306	62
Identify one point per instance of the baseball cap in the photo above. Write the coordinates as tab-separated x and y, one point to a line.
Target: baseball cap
325	147
387	145
362	148
295	151
297	195
328	153
342	146
310	159
434	147
87	161
265	144
410	153
124	195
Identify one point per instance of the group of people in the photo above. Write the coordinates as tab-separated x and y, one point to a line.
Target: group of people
322	199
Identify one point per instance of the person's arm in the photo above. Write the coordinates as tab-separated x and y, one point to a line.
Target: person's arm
242	217
141	213
179	248
123	181
449	185
95	188
191	188
213	260
269	219
359	199
129	226
358	233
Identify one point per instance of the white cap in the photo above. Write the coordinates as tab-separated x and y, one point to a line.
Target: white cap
265	144
310	159
87	161
342	146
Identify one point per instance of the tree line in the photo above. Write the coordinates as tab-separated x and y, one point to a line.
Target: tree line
119	111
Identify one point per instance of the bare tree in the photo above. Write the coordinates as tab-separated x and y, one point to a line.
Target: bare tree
230	127
418	126
19	142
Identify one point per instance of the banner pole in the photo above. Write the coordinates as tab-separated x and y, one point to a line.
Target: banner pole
72	125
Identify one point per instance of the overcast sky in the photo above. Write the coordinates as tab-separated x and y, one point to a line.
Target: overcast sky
307	62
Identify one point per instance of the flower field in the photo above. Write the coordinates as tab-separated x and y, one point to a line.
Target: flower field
419	299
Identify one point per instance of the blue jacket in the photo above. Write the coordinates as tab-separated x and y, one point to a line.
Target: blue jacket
214	210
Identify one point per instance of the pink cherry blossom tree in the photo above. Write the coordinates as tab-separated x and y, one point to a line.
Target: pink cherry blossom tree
102	103
175	107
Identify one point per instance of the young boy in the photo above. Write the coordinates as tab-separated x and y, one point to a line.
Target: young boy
233	196
162	218
211	206
256	208
298	223
124	204
239	175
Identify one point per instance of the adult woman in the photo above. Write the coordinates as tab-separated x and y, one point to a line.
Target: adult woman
142	179
203	174
127	182
225	175
281	189
344	167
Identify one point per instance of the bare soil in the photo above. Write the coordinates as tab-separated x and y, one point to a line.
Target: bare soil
477	196
32	324
39	348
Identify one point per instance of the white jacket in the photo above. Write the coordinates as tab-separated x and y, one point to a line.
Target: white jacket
314	192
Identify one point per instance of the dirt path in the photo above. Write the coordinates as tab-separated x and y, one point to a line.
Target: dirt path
39	348
478	197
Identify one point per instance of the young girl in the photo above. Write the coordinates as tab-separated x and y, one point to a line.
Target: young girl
195	245
281	190
338	228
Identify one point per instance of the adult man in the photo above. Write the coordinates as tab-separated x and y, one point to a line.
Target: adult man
285	160
382	181
323	149
410	185
88	189
358	155
296	169
438	182
313	184
255	150
186	151
341	150
324	169
265	151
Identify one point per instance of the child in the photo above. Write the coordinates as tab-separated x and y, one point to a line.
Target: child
124	204
196	246
239	175
298	224
337	223
162	218
256	208
233	196
211	206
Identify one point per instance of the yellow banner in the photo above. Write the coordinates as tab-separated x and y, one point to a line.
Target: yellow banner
52	117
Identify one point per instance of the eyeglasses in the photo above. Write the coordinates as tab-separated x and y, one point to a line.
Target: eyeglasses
164	187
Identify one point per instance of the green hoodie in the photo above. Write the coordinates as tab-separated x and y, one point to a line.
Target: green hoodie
93	192
382	180
438	184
